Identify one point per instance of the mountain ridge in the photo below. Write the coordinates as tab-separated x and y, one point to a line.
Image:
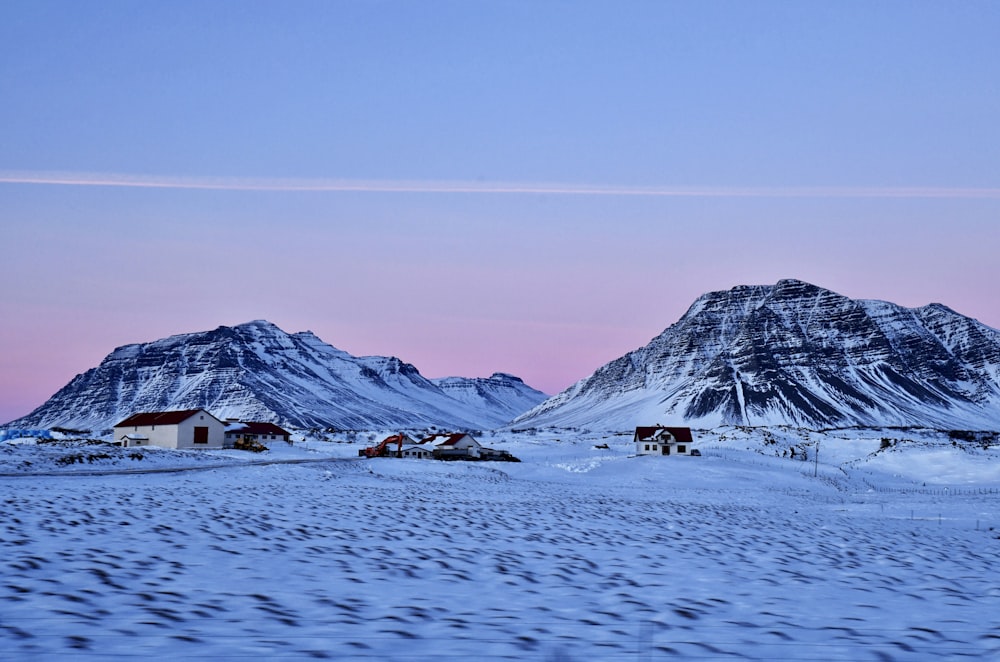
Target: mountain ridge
256	371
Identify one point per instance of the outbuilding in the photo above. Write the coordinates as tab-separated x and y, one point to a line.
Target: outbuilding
254	432
417	451
189	428
452	446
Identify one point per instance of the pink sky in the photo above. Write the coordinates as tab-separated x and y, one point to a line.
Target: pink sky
544	287
484	187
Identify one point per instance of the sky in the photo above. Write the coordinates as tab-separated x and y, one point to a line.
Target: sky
528	187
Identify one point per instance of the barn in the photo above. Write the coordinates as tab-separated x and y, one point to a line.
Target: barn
188	428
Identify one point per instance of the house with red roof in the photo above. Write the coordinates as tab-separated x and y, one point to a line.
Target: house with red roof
188	428
660	440
452	446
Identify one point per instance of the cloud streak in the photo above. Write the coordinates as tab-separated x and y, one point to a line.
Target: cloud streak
290	185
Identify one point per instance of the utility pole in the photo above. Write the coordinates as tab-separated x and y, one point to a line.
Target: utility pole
816	461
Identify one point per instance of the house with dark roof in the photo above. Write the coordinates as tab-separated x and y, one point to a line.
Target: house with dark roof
660	440
188	428
254	432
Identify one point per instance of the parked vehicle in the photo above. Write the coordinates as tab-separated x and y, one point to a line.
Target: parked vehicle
382	449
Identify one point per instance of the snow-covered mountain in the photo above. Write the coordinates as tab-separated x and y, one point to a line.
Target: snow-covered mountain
256	371
500	394
796	354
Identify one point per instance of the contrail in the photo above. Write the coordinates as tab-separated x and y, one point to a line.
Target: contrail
443	186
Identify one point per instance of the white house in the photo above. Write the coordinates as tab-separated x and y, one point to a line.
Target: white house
452	446
660	440
191	428
417	451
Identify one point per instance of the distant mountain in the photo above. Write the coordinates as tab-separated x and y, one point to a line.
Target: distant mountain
503	395
256	371
796	354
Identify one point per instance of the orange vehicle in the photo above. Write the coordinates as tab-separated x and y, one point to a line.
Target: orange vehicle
382	448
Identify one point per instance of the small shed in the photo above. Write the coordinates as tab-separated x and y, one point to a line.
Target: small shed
661	440
134	439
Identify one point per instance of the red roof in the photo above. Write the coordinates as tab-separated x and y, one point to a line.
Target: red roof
258	428
159	418
682	435
450	438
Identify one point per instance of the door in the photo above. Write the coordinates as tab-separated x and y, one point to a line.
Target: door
200	435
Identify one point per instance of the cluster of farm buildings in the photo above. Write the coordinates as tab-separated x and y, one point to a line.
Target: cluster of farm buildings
439	446
197	428
192	428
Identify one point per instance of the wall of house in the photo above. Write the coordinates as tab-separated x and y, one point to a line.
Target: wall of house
420	453
216	431
164	436
467	444
656	448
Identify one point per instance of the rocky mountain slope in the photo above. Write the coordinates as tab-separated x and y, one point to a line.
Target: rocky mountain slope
796	354
256	371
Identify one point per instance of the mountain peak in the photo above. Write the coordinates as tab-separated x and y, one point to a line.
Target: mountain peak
258	326
795	353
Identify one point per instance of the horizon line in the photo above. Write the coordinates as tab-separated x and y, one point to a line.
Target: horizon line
332	185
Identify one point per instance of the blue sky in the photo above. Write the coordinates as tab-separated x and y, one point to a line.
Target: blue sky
888	108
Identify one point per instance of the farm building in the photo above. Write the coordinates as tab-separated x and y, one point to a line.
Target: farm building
417	451
254	432
440	446
496	455
190	428
660	440
452	446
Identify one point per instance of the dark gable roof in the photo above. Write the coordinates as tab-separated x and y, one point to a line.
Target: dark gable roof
159	418
257	428
682	435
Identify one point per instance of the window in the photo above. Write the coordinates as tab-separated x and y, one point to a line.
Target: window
682	449
647	447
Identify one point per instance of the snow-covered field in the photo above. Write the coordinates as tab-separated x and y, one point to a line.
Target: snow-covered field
576	553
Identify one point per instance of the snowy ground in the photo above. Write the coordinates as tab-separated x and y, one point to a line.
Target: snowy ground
576	553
